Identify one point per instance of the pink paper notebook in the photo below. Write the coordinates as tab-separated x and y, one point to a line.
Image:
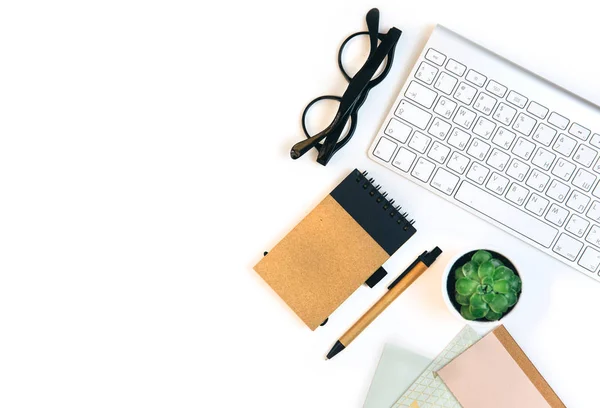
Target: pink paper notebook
495	373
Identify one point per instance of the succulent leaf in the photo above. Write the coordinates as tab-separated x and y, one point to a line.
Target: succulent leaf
481	256
462	300
499	304
458	273
502	272
487	281
470	270
488	297
511	297
486	269
501	286
466	286
479	313
492	316
496	262
466	313
515	283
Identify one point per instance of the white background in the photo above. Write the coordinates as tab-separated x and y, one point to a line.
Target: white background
144	169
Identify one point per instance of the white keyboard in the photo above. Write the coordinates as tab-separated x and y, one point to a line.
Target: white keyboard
501	143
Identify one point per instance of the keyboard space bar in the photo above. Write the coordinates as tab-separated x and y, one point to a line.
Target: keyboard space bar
507	215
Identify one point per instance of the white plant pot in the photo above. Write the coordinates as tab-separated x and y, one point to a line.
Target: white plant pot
450	268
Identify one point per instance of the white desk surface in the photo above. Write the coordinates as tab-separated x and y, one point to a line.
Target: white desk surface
144	169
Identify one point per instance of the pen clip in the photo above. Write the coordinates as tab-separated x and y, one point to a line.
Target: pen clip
412	265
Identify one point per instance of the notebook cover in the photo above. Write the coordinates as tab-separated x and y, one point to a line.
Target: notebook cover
335	249
398	368
496	373
429	391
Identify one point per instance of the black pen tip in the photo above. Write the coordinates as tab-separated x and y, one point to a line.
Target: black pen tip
294	154
337	347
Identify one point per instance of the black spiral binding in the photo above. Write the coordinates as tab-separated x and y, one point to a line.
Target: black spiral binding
401	218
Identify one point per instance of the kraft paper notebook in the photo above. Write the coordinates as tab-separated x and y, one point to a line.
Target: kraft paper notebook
337	247
398	368
496	373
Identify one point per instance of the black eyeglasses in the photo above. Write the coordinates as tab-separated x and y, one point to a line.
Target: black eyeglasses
330	140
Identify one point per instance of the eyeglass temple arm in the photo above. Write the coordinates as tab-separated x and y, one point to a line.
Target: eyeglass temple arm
357	86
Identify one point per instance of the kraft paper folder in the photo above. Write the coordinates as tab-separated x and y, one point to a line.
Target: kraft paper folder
335	248
496	373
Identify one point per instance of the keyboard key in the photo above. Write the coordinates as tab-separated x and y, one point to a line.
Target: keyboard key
577	225
484	103
593	237
445	107
505	114
426	73
503	138
596	167
444	181
478	149
544	134
579	131
596	192
423	169
484	127
537	204
524	124
404	159
578	201
465	93
595	140
413	114
523	148
459	138
458	162
543	159
567	247
537	180
537	110
385	149
564	145
558	120
563	169
594	212
439	152
585	155
495	88
558	191
456	67
497	183
584	180
464	117
421	95
398	130
517	99
435	56
419	142
439	128
498	159
478	173
557	215
476	78
505	214
517	170
517	194
590	259
445	83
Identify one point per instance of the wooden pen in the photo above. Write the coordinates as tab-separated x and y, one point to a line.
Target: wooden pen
406	278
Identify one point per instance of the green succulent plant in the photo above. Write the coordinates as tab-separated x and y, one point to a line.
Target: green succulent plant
485	288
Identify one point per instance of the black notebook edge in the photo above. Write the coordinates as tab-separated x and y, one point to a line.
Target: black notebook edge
373	211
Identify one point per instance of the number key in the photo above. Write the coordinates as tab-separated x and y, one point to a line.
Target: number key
544	134
564	145
524	124
505	114
484	103
465	93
